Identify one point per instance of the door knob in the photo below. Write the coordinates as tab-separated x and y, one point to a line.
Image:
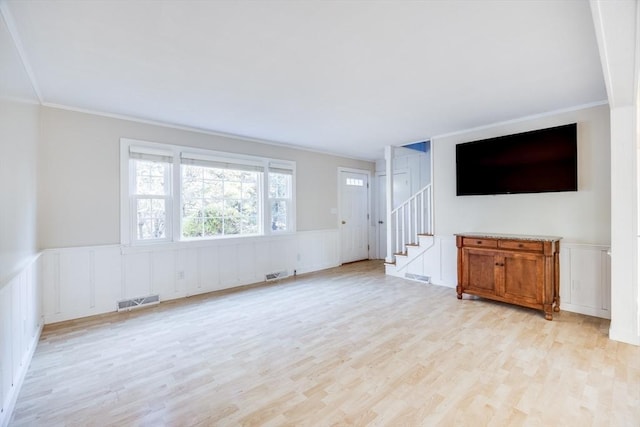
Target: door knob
380	222
344	222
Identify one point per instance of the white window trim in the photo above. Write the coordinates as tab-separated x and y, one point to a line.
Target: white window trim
225	236
175	221
280	167
168	208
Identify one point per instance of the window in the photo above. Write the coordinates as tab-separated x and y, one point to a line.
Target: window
355	182
220	201
280	196
175	193
150	201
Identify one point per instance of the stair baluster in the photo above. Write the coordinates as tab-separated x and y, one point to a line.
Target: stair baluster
412	218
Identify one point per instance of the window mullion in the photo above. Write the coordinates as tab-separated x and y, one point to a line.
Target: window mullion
133	214
176	195
265	201
133	217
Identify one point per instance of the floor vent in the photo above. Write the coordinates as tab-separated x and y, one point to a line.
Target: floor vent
277	275
425	279
133	303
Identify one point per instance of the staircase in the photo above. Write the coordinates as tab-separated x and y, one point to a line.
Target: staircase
411	234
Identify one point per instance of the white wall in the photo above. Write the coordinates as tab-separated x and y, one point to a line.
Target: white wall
86	271
20	298
578	217
18	144
79	175
418	164
581	218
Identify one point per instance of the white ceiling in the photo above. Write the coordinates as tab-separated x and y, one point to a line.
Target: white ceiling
347	77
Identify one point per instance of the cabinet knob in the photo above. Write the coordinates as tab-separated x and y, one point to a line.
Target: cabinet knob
479	242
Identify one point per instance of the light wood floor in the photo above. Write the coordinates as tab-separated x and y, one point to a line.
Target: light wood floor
345	347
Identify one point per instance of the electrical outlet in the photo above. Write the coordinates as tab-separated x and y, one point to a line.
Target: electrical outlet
180	274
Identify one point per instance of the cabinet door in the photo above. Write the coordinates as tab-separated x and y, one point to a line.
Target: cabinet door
523	277
479	271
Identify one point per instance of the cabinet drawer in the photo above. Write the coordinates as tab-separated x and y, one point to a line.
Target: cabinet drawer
479	242
521	245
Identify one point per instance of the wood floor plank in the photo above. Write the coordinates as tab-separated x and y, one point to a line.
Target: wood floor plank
348	346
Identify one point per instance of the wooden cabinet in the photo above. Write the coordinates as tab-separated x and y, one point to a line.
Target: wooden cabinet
522	270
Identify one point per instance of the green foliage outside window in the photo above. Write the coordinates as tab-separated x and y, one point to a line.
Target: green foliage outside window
151	188
218	202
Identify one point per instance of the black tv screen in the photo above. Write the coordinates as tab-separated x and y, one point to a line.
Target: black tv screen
544	160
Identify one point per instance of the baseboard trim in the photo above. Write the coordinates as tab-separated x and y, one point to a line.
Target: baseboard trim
588	311
623	336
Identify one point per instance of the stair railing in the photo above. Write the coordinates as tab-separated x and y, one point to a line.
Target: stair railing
413	217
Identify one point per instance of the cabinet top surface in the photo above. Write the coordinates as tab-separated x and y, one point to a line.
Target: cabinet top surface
509	236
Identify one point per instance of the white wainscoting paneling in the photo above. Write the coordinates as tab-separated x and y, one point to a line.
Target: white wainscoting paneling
448	263
438	262
85	281
79	282
20	326
317	250
585	279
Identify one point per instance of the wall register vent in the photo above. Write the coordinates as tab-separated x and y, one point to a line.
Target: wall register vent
133	303
425	279
269	277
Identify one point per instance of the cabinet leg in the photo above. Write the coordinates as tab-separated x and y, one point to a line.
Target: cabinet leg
548	311
459	291
556	306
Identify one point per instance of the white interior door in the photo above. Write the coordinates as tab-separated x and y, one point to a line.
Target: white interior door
402	191
354	221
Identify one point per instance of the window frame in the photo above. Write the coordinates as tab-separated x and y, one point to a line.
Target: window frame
260	208
281	169
134	197
173	206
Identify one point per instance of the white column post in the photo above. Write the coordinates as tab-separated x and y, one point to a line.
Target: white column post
617	29
388	156
624	227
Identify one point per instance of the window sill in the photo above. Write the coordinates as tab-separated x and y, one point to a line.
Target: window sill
200	243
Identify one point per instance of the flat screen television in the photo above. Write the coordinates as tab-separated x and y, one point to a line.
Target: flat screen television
538	161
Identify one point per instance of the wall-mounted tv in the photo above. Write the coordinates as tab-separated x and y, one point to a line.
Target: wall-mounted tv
539	161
